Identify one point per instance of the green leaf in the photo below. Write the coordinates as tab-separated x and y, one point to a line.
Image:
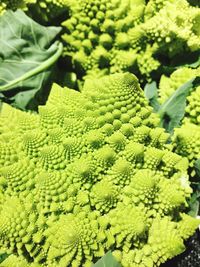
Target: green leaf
3	257
151	93
173	109
197	167
107	261
194	205
27	54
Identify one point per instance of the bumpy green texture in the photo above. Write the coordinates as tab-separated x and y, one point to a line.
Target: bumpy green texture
154	6
192	111
186	142
104	37
91	173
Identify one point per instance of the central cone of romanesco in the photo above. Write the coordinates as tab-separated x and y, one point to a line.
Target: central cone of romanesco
91	173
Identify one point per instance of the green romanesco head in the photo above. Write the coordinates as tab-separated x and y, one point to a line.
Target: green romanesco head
153	6
104	37
96	35
89	173
174	28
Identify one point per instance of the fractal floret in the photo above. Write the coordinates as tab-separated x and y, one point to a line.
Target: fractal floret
174	28
88	174
104	37
97	35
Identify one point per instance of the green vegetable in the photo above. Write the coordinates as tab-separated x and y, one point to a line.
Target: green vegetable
91	173
104	37
28	52
186	142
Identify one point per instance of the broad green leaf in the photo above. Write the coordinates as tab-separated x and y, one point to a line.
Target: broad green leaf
173	109
107	261
151	93
27	54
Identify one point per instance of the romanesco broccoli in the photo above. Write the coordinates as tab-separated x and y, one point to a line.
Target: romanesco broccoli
90	173
104	37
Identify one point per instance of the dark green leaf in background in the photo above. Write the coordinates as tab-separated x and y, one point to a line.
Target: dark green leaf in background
197	167
27	54
3	256
107	261
194	201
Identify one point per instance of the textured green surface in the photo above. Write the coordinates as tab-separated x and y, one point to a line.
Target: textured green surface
89	173
105	37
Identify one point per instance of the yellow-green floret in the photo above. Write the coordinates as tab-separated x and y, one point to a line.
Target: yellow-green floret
186	142
88	174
